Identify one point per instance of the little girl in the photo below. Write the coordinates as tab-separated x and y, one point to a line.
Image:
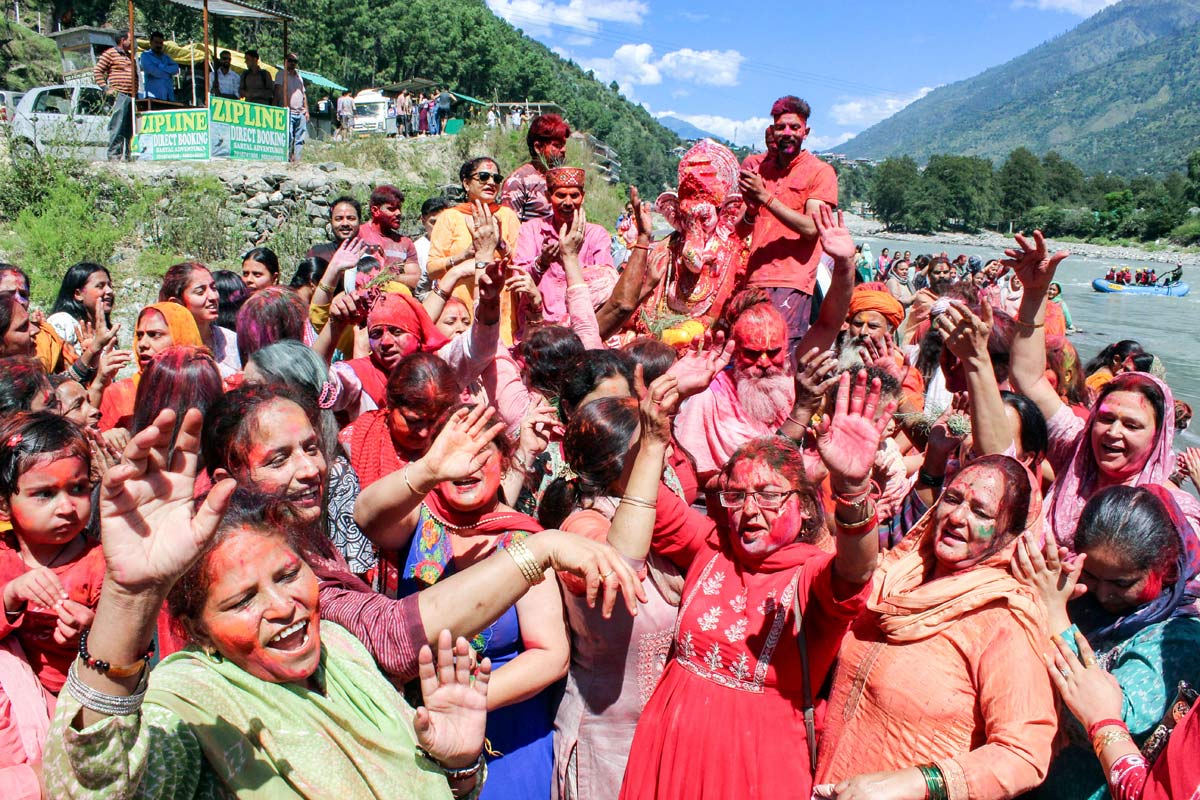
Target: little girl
50	573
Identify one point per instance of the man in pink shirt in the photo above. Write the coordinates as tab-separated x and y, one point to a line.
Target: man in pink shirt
383	231
750	400
538	248
781	191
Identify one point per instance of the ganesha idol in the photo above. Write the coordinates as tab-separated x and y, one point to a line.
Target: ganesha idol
704	260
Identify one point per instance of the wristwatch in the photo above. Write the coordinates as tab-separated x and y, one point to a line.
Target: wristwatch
482	264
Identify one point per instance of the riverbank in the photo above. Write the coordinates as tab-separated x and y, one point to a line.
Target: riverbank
948	240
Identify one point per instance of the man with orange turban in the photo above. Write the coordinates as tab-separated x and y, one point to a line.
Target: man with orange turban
870	337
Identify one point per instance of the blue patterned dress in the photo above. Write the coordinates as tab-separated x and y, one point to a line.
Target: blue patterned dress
522	733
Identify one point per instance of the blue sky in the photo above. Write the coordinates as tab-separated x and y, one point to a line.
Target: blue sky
720	65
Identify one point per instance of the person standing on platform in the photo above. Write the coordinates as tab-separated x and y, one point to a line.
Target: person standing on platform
226	83
158	69
114	74
289	91
256	85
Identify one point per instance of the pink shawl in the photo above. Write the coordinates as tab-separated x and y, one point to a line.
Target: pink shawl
1076	484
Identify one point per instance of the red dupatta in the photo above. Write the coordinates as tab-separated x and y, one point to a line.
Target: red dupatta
372	453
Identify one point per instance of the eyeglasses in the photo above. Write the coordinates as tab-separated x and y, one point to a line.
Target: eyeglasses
769	501
484	177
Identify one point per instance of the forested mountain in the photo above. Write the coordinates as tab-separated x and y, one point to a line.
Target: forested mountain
1118	92
685	129
458	43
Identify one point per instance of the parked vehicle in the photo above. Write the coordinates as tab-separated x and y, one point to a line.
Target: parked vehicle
63	121
371	113
8	104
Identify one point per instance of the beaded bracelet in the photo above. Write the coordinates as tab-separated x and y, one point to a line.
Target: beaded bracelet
459	774
105	668
935	782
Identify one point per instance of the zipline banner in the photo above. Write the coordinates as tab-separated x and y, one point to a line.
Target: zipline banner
247	131
181	135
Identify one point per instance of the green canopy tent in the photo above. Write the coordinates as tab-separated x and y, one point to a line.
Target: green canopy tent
321	80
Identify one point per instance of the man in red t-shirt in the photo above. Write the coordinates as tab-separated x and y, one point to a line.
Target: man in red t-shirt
386	210
781	191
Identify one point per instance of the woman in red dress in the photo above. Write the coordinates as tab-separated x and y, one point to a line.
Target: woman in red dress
732	716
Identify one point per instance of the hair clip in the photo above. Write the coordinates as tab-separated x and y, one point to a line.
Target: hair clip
15	440
566	473
327	396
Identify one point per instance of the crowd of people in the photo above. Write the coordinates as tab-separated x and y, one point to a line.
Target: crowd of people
451	518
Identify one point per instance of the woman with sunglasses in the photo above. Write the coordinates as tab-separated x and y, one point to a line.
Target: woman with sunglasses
451	236
733	711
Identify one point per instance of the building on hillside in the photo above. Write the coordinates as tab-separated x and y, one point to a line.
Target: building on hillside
80	48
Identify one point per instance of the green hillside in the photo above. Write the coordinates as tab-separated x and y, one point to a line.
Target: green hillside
463	44
1117	92
27	59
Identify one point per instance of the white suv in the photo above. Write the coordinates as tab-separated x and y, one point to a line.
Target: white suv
63	121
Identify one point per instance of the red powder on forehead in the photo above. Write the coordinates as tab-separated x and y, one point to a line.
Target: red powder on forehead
760	328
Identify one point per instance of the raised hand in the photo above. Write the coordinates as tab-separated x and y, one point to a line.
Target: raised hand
659	405
1052	573
148	530
450	726
521	282
836	240
703	361
881	354
540	423
348	254
965	334
460	449
485	232
345	310
1191	464
110	363
847	439
817	374
941	438
570	237
1032	264
643	220
601	567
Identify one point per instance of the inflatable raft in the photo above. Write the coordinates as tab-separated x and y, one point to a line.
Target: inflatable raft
1174	290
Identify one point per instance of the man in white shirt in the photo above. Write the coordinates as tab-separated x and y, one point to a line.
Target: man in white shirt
226	83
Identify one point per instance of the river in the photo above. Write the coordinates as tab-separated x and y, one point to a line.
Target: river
1165	326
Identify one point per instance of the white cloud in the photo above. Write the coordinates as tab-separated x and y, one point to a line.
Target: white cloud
862	112
537	17
707	67
745	132
630	65
822	143
636	65
1082	8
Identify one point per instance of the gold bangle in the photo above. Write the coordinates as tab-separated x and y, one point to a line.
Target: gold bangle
530	569
1112	736
1029	326
408	483
639	502
327	289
